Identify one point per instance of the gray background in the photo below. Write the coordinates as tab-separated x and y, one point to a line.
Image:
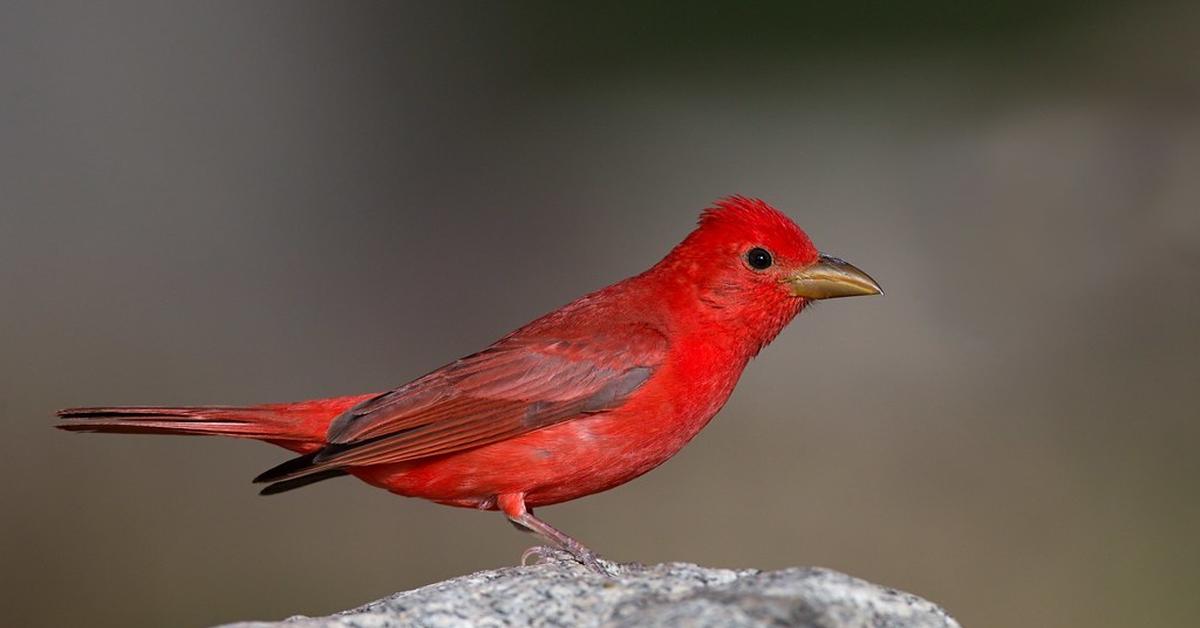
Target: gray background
244	202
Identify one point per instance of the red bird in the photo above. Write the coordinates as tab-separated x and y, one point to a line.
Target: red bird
578	401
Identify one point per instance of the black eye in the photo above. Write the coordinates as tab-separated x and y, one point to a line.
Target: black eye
758	258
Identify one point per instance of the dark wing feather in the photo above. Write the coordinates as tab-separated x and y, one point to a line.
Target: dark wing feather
516	386
295	483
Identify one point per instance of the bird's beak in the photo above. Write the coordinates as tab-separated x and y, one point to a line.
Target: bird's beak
830	278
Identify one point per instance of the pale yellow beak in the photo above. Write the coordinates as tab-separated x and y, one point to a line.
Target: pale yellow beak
830	278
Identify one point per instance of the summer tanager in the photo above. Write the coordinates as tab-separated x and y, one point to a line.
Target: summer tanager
578	401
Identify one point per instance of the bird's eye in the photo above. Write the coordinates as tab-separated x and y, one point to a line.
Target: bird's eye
758	258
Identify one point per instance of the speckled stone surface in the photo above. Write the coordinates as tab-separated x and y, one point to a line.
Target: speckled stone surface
560	592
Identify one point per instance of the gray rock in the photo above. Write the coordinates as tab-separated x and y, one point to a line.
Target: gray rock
560	592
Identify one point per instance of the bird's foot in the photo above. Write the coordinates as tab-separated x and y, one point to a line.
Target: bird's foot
586	557
594	563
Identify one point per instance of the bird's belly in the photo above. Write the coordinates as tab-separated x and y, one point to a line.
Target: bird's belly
569	460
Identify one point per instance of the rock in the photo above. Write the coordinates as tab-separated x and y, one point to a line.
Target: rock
560	592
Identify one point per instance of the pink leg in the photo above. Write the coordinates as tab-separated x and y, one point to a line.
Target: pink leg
513	506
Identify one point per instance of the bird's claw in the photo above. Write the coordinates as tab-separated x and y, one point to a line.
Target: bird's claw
538	553
599	565
586	557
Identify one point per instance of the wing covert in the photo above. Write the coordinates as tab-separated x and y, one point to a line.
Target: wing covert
516	386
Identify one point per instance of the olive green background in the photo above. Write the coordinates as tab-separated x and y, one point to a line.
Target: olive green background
239	202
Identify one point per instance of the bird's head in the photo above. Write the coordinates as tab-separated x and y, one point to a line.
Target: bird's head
748	264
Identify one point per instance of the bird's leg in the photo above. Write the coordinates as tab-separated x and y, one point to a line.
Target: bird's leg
560	540
521	517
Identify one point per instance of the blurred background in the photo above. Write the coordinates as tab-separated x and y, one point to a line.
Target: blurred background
249	202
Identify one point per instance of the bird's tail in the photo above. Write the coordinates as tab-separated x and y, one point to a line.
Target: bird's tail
298	426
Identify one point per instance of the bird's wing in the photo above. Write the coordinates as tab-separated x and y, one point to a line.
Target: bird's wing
516	386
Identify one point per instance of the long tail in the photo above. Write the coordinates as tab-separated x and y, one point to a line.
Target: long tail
297	426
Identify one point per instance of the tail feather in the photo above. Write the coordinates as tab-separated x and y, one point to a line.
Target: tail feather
300	426
239	422
287	424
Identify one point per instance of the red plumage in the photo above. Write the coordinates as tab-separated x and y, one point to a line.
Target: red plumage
578	401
